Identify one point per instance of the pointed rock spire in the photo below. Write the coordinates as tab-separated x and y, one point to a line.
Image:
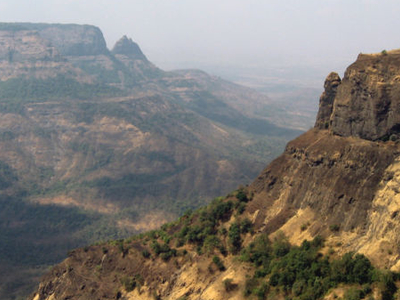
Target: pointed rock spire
125	46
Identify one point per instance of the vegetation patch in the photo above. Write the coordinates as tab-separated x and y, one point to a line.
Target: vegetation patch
17	91
302	272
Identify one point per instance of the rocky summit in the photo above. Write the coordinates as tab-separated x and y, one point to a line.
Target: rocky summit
125	46
318	223
366	102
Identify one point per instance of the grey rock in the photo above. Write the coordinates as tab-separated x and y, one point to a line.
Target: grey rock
326	100
366	104
125	46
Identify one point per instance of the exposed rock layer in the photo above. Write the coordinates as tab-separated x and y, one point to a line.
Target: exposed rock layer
72	39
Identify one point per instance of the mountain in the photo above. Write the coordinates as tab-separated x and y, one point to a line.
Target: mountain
320	222
98	144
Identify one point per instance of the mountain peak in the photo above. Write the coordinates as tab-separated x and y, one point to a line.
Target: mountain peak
125	46
366	102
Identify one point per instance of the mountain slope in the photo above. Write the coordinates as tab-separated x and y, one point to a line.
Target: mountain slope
336	186
110	144
80	129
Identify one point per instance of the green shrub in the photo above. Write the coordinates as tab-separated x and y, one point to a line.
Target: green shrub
281	245
317	242
298	287
352	269
229	285
246	226
386	283
241	207
353	294
334	227
128	283
164	251
146	253
241	196
249	286
217	261
261	291
234	238
210	243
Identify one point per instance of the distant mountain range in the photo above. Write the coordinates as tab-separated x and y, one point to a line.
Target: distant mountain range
98	144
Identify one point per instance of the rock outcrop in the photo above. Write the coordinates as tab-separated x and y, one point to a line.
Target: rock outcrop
126	46
367	101
326	100
25	45
344	171
24	53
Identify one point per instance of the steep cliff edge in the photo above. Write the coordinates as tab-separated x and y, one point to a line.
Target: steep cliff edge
72	39
24	53
339	181
344	172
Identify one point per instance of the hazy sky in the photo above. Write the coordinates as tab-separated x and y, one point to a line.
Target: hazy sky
255	33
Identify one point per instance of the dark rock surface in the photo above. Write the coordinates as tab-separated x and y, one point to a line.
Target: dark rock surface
367	102
326	100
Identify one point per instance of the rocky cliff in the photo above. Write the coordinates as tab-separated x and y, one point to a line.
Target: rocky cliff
72	39
126	46
342	173
24	53
338	181
366	103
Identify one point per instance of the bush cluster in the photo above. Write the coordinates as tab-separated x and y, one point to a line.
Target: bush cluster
203	231
303	272
163	250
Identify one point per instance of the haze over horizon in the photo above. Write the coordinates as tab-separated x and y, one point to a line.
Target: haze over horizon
309	36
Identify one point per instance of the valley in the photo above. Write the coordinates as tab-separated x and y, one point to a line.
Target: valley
99	144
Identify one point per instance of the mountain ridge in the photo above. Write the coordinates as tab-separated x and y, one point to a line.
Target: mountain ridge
97	146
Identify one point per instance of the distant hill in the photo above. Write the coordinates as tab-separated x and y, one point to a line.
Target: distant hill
98	144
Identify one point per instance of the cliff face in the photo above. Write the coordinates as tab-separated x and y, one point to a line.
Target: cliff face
126	46
24	53
367	101
72	39
339	180
326	100
343	172
76	51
